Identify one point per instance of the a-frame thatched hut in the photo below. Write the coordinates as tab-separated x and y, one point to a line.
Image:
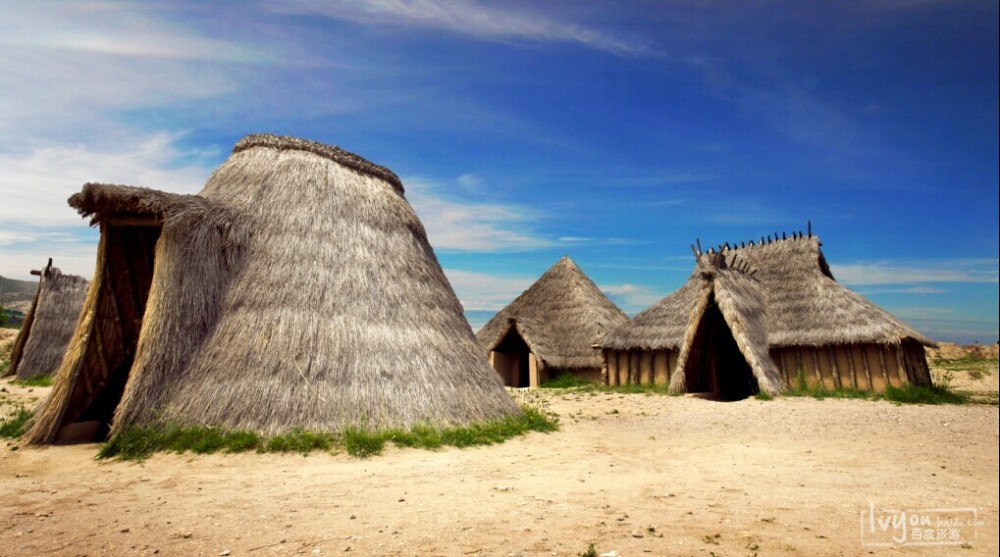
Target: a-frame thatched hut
551	328
48	325
762	317
296	290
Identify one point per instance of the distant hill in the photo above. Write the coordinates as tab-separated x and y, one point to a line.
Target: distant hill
16	290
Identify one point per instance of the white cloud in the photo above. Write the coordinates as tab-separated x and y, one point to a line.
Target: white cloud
484	292
69	68
891	272
481	20
470	182
460	225
36	185
73	258
904	290
632	298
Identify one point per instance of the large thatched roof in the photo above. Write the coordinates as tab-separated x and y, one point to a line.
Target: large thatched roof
296	290
804	305
48	325
561	316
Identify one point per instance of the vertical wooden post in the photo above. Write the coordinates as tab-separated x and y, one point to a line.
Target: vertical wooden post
661	376
633	367
645	367
623	373
900	366
798	366
885	372
851	367
868	372
819	373
611	363
833	368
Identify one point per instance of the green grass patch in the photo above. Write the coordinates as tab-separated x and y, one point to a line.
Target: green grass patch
566	381
582	386
13	427
923	394
141	442
36	381
761	395
907	394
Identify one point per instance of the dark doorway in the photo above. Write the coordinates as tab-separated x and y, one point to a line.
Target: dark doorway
514	353
715	365
128	260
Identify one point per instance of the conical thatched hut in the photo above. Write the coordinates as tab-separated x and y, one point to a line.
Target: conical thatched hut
551	328
297	290
763	317
48	325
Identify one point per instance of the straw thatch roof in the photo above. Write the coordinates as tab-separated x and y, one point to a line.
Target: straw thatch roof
296	290
561	316
803	304
740	299
48	325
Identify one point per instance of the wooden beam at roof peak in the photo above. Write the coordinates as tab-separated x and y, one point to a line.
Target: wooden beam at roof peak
126	220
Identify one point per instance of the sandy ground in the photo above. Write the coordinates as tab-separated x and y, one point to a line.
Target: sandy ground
631	474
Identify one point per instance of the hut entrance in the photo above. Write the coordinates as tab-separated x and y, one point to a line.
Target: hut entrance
122	284
511	360
716	366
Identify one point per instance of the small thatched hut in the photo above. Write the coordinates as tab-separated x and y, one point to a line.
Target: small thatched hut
553	327
296	290
48	325
763	317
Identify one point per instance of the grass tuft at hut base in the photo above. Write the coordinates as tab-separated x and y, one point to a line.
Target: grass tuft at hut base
139	443
36	381
906	394
570	381
13	427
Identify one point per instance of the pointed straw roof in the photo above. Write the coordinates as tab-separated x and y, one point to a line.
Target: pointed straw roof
561	316
741	302
804	305
297	290
49	324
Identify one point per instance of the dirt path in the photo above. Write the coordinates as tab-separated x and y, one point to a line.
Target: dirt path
633	474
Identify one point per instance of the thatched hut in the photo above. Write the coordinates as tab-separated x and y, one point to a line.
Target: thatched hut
48	325
296	290
762	317
553	327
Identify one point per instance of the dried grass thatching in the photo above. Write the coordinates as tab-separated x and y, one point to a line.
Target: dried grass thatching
297	290
48	325
740	300
803	304
561	316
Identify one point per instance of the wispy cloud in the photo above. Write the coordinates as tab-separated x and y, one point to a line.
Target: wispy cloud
117	29
458	224
482	292
476	19
905	290
71	66
35	186
632	298
918	272
72	255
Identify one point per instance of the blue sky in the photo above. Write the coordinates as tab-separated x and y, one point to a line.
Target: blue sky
613	132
